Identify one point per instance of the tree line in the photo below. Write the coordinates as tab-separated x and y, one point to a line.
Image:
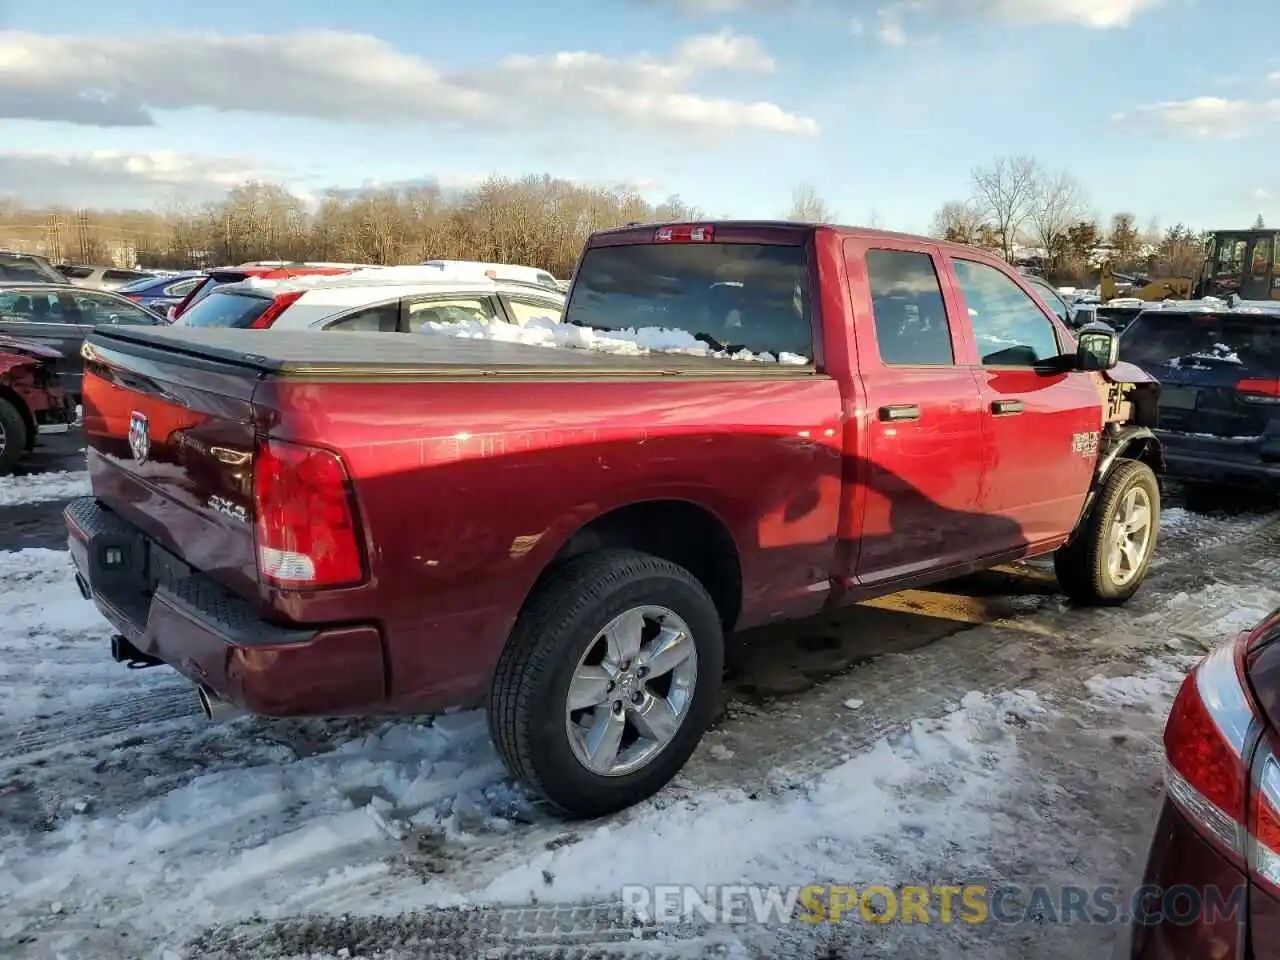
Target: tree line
539	221
1014	203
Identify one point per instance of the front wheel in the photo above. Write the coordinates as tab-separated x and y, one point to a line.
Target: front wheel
13	437
1108	559
608	681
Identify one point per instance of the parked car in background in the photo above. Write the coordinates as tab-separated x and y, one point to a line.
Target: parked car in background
1218	833
1219	369
1055	301
367	523
100	278
158	294
31	398
390	300
224	275
60	316
28	268
467	269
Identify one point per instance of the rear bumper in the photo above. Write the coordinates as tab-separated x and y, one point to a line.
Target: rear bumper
1229	462
185	619
1197	907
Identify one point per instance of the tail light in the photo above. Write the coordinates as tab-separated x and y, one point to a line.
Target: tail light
685	233
305	523
1220	770
279	304
1259	390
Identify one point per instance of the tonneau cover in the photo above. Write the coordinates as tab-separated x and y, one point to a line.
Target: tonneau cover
306	353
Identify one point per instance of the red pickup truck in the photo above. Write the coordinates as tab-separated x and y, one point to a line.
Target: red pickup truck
312	524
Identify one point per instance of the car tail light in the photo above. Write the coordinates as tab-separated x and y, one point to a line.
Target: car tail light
1212	743
685	233
305	522
1259	390
279	304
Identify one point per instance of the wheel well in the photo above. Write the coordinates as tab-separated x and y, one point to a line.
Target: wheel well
675	530
1148	451
7	393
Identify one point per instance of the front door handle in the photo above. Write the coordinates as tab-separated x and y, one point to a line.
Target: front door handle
1006	406
898	412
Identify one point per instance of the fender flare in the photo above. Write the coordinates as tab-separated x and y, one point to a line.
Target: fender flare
1121	440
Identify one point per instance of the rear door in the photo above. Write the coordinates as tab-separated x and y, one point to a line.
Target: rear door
459	308
1041	423
520	310
922	464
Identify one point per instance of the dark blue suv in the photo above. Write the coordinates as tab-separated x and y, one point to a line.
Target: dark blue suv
1219	371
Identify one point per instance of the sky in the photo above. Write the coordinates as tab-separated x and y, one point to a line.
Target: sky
1169	109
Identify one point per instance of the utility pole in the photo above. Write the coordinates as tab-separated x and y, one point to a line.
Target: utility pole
82	228
53	238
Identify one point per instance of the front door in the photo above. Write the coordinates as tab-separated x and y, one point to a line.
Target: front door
914	474
37	314
1259	268
1041	425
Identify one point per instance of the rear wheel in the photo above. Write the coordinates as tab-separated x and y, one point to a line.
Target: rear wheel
13	437
1111	553
608	682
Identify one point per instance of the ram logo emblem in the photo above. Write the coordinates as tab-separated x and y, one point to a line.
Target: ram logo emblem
1085	444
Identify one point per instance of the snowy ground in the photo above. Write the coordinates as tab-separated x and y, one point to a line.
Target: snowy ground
870	747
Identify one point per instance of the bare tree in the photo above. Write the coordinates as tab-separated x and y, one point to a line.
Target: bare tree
959	222
1006	191
808	207
1057	205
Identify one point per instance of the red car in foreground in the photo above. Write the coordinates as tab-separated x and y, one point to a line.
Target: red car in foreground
1214	866
30	397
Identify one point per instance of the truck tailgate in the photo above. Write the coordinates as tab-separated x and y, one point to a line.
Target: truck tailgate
170	441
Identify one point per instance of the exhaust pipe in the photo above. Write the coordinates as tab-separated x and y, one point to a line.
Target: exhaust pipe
214	707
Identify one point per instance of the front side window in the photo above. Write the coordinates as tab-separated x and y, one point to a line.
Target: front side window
1008	326
99	309
522	311
910	314
1229	260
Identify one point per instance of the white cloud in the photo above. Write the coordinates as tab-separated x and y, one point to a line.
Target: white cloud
891	31
1097	14
1260	194
1210	116
332	75
1274	77
108	178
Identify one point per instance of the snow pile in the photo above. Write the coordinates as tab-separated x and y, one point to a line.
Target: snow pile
42	487
549	332
895	807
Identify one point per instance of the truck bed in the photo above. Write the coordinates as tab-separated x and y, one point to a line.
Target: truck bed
307	354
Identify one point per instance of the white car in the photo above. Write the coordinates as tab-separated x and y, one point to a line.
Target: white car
469	269
385	299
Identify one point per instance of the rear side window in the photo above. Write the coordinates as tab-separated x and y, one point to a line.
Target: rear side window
1203	341
731	296
910	314
1008	326
75	273
20	269
384	318
226	309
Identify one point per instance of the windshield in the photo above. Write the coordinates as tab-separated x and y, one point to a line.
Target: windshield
1203	341
225	309
731	296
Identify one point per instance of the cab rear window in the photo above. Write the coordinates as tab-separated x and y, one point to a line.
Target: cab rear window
225	308
732	296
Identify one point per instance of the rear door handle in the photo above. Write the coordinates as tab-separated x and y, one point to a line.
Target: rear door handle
1006	406
898	412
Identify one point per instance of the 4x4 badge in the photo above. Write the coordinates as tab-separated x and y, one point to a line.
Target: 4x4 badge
139	436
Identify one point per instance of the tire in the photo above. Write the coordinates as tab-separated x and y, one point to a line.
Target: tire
560	625
13	436
1083	567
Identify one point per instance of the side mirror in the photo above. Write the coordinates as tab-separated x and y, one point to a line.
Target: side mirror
1097	347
